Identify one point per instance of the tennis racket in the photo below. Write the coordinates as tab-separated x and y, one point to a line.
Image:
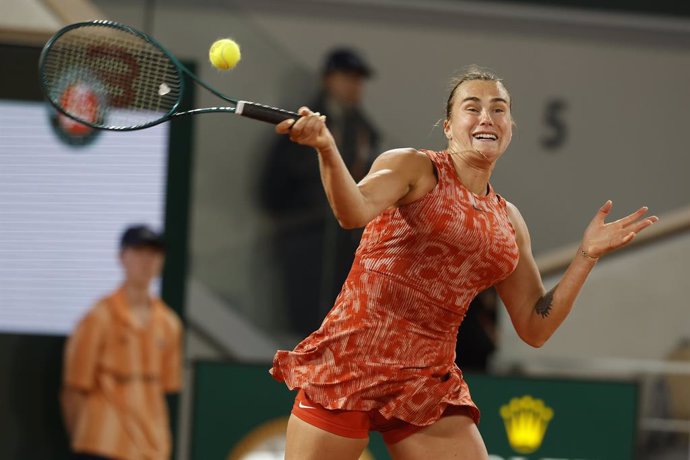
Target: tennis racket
110	76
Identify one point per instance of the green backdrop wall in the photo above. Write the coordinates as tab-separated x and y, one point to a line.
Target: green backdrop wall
590	419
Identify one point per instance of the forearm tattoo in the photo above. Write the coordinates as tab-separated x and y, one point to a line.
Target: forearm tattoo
544	304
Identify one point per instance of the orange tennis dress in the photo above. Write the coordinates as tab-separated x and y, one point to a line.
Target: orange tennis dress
388	343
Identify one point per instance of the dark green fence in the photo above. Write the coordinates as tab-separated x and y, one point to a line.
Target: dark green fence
237	406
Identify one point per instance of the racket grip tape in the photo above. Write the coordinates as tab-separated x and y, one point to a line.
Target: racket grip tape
262	112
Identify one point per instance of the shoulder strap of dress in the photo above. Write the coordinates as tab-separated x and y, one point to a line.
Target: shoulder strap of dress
438	160
432	154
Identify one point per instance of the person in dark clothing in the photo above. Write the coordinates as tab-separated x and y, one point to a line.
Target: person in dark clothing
313	252
478	333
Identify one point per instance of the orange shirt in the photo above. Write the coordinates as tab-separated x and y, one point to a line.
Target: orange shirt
124	372
388	343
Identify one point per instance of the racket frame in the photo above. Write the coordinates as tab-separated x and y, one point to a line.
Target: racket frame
246	108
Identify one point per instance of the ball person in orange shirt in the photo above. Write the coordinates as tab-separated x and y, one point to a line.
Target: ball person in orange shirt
121	360
436	235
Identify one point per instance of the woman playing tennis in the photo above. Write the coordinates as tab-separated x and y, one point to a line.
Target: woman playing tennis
436	235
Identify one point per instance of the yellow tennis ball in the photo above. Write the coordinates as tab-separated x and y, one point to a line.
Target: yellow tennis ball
224	54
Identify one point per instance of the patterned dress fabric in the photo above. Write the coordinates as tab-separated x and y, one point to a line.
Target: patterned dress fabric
388	343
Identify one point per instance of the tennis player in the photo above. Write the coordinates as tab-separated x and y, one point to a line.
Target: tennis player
436	235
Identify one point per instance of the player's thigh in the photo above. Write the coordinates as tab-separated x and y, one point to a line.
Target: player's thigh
307	442
453	437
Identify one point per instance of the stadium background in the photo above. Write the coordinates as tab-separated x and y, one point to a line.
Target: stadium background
617	70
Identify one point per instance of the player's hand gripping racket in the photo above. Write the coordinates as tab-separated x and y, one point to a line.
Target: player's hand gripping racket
109	76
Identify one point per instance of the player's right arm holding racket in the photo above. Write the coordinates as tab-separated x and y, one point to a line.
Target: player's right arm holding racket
397	176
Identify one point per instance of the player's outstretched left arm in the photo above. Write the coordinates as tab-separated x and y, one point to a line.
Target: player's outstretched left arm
535	313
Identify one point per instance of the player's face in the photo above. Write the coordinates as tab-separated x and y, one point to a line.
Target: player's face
480	119
142	264
345	87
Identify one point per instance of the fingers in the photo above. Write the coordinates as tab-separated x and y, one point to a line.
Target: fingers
634	229
310	123
301	125
602	213
601	238
628	238
284	126
637	227
304	111
629	219
634	222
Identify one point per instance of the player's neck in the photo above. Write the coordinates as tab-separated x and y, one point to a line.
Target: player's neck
473	174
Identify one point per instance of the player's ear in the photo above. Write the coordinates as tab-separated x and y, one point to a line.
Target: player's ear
446	129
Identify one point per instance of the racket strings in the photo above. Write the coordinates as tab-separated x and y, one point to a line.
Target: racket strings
130	80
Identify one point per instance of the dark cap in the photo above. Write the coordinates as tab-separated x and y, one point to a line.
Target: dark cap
346	60
141	235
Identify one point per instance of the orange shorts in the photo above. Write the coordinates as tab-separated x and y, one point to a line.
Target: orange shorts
358	424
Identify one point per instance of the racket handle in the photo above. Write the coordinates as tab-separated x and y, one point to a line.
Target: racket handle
262	112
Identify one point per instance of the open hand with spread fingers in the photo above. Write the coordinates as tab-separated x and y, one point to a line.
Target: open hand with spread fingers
310	129
600	237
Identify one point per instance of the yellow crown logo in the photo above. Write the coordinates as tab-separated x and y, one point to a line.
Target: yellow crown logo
526	420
